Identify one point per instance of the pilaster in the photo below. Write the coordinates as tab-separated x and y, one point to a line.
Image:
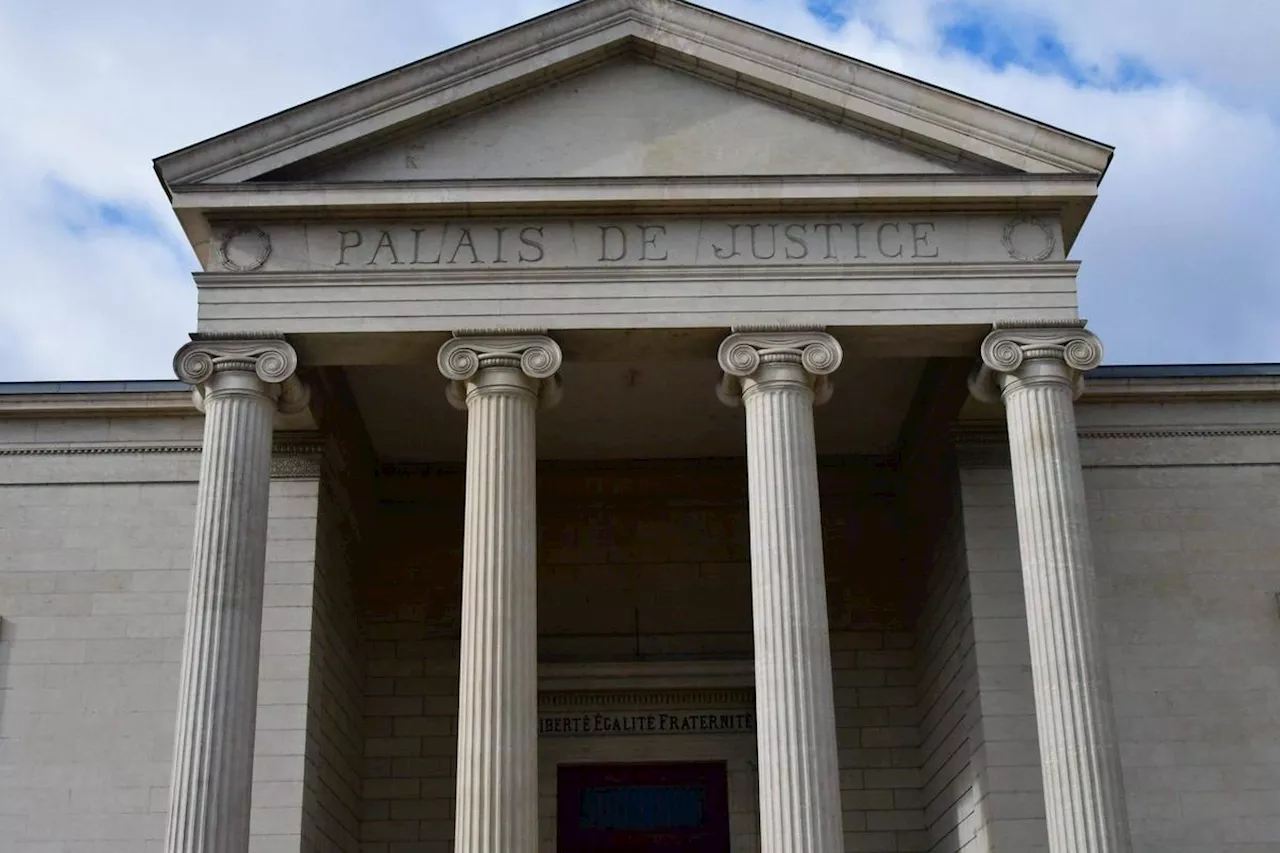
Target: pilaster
778	376
1037	372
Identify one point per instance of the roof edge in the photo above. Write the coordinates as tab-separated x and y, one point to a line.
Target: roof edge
155	398
706	38
1184	371
95	386
1173	382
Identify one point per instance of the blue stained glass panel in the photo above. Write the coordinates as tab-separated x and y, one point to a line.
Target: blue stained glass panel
642	808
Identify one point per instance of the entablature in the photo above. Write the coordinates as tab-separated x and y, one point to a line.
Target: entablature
205	209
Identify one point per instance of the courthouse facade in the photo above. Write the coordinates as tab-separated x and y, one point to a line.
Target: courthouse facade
637	430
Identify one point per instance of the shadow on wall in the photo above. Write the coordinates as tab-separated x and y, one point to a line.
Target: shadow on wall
5	649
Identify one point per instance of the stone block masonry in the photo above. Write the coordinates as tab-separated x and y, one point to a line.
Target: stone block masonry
92	594
1189	558
93	586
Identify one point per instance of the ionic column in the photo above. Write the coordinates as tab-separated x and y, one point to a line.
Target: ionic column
240	384
778	376
499	380
1037	372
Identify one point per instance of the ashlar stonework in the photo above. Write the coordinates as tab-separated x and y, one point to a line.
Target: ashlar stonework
447	541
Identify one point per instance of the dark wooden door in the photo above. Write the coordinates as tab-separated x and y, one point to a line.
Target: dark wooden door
643	808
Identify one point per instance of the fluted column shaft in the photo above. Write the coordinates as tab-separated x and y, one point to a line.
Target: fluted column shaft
497	793
1037	373
209	797
795	713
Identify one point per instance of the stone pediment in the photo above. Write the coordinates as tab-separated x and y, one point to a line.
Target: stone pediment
632	88
634	119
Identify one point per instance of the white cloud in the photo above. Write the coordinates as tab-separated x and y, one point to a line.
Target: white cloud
1228	46
1178	261
85	301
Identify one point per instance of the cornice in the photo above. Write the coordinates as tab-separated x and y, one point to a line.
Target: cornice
992	433
289	459
99	404
1170	432
555	700
97	449
122	447
1175	389
745	193
987	446
592	275
1101	390
121	404
640	678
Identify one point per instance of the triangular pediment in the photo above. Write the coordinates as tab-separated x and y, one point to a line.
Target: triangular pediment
633	88
631	118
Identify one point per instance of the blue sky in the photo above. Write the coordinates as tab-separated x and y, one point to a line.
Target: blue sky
1178	263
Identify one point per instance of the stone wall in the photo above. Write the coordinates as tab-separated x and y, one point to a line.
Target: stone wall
95	546
876	729
979	757
644	587
1008	794
1182	499
1183	514
411	743
646	566
410	740
279	755
92	596
335	712
947	682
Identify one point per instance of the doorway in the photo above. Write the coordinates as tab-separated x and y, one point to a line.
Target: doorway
643	808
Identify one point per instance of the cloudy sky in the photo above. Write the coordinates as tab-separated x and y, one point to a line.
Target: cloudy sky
1180	255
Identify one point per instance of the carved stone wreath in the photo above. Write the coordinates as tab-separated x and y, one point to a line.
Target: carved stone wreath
244	249
1024	230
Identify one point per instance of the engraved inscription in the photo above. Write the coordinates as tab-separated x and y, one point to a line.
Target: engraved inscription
411	155
639	243
439	246
596	723
511	245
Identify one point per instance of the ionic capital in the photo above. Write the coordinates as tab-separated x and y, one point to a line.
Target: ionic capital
266	366
533	359
1017	355
806	356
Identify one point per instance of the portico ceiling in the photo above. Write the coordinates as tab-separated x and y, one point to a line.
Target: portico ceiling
632	408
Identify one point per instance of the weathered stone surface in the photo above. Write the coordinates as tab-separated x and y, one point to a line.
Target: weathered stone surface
1037	371
631	118
240	384
636	176
527	245
499	380
779	376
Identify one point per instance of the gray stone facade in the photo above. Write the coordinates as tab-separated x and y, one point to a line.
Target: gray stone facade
922	586
357	702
